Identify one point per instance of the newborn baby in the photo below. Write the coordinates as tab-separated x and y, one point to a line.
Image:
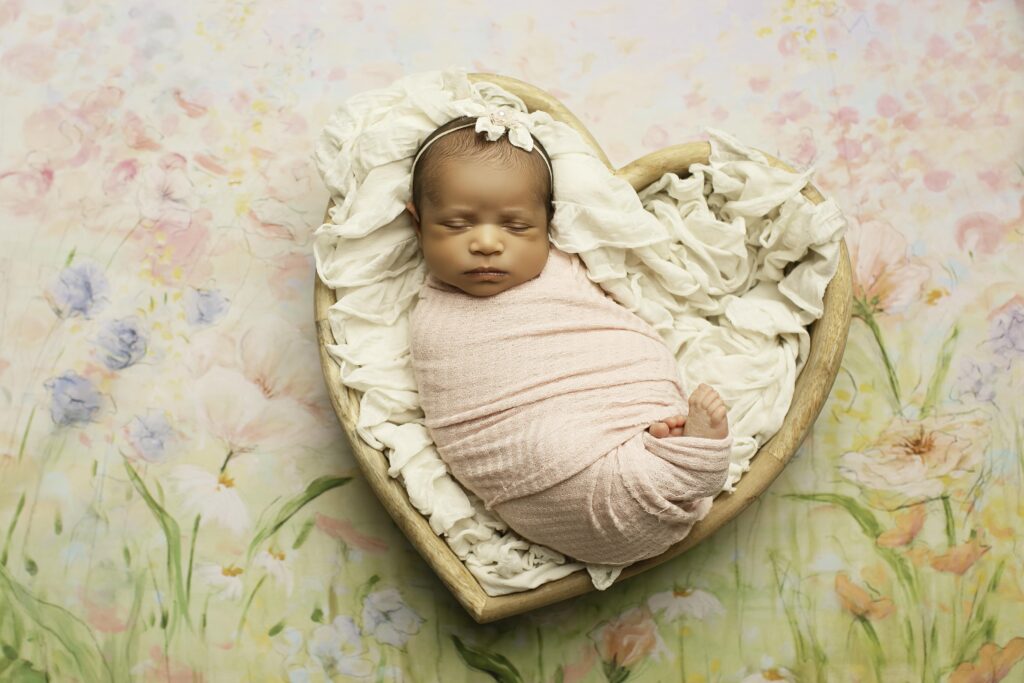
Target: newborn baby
562	410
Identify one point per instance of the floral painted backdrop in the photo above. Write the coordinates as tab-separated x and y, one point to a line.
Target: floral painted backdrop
177	502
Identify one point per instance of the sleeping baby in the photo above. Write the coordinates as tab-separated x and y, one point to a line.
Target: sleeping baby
563	411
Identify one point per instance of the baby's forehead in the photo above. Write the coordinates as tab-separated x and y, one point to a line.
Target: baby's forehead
453	174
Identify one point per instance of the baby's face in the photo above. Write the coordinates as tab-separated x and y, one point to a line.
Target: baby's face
485	216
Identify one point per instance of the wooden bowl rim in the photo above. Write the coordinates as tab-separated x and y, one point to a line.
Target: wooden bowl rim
828	341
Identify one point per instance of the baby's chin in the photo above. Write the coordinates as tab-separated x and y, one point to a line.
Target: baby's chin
485	289
482	289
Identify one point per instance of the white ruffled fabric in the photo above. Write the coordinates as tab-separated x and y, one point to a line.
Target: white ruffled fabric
729	264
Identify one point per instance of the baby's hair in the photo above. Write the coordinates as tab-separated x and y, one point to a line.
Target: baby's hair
468	143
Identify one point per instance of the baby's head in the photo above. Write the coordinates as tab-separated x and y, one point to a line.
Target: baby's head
481	204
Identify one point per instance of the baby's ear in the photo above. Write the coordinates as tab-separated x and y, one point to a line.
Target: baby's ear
412	209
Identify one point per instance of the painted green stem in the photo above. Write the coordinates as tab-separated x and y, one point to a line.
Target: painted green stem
865	313
248	604
10	529
947	508
877	656
191	557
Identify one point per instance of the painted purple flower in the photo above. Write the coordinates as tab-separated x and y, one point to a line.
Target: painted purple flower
78	290
74	399
204	306
978	380
123	342
151	436
1007	331
390	620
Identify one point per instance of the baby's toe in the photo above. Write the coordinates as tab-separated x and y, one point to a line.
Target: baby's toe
659	430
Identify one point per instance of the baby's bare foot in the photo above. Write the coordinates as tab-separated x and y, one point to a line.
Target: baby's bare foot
672	426
708	416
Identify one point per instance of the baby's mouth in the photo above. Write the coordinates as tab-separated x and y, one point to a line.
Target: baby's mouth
484	270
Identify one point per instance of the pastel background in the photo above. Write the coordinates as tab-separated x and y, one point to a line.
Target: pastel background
177	502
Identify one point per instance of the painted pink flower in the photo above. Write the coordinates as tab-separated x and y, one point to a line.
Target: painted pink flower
121	176
807	151
887	106
167	192
273	219
343	530
67	134
238	412
885	278
908	526
849	149
845	117
628	638
138	134
160	668
104	619
983	232
937	181
789	43
25	192
275	357
191	109
30	61
792	106
9	11
919	459
173	248
961	558
993	664
937	47
859	602
577	670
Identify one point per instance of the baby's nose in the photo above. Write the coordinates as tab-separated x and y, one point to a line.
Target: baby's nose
486	239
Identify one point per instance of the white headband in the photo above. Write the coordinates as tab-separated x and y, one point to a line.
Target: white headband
494	124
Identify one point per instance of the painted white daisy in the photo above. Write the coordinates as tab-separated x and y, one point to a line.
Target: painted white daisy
275	563
225	582
389	619
213	496
690	602
771	675
338	648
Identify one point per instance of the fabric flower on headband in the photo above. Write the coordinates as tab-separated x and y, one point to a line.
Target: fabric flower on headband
496	121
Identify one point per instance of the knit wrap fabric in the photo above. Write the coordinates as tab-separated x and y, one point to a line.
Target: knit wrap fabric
538	399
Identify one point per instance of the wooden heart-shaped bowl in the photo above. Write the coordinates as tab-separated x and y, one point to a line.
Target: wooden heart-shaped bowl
828	340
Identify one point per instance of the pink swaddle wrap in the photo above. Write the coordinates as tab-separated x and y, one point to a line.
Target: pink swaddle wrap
538	399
